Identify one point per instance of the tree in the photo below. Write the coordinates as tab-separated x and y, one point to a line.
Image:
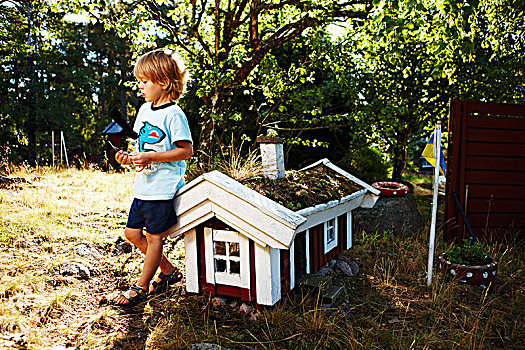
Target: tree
55	74
228	40
421	53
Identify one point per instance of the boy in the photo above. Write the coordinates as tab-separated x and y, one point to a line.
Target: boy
163	143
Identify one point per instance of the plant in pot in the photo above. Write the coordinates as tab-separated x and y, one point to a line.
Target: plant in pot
469	263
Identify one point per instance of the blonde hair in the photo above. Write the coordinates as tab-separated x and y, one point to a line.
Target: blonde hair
163	67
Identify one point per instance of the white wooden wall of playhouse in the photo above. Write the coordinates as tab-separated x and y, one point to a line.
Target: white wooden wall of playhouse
242	244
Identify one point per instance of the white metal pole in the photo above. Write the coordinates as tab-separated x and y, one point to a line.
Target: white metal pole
437	153
61	136
64	145
53	148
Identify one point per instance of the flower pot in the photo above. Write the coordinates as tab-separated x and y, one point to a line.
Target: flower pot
477	275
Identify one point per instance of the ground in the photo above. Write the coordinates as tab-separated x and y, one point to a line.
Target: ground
388	305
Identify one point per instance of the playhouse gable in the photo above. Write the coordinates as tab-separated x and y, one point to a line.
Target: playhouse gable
252	214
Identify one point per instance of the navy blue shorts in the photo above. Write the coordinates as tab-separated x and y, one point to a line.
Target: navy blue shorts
155	216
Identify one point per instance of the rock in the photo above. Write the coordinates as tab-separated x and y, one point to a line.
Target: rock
255	315
75	269
207	346
324	271
346	258
123	245
85	250
355	267
331	263
398	215
344	267
245	308
218	301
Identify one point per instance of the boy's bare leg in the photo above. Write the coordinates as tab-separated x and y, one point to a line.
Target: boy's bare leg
139	240
151	246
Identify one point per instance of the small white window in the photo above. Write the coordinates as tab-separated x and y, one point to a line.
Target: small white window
227	258
330	235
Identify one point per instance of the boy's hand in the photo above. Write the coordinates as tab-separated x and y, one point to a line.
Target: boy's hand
123	157
140	160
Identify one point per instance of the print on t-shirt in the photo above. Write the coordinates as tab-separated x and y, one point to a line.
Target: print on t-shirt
149	134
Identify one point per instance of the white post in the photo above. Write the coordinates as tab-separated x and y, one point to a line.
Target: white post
53	148
61	136
437	153
63	144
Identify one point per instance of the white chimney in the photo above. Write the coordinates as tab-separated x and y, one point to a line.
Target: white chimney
272	156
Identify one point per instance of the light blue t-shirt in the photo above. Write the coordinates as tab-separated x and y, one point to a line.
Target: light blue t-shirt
158	129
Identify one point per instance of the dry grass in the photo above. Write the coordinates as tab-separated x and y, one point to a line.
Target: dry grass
388	305
231	162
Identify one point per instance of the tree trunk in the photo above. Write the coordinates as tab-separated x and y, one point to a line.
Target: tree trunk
400	155
205	146
31	140
123	97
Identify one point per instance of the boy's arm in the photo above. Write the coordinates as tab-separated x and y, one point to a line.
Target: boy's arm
183	151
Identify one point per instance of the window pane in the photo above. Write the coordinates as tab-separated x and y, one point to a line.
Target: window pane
220	248
235	267
234	249
220	265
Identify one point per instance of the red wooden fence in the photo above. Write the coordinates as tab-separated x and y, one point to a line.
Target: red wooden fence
486	169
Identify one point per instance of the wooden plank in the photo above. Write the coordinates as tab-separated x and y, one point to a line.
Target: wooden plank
308	243
495	205
349	230
276	274
292	264
496	135
341	228
462	154
494	108
314	249
201	255
452	168
322	216
495	122
495	149
253	276
263	272
495	163
494	233
191	262
516	178
285	270
497	220
496	190
230	291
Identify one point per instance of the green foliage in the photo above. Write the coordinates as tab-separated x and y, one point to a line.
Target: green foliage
367	163
58	76
376	239
468	253
269	69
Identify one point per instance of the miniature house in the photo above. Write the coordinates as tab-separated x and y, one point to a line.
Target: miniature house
242	244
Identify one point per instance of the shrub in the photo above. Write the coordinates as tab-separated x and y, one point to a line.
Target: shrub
366	163
469	253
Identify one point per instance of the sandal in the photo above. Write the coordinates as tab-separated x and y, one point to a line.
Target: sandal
163	281
140	296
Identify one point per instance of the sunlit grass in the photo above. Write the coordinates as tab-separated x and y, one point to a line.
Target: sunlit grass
387	306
